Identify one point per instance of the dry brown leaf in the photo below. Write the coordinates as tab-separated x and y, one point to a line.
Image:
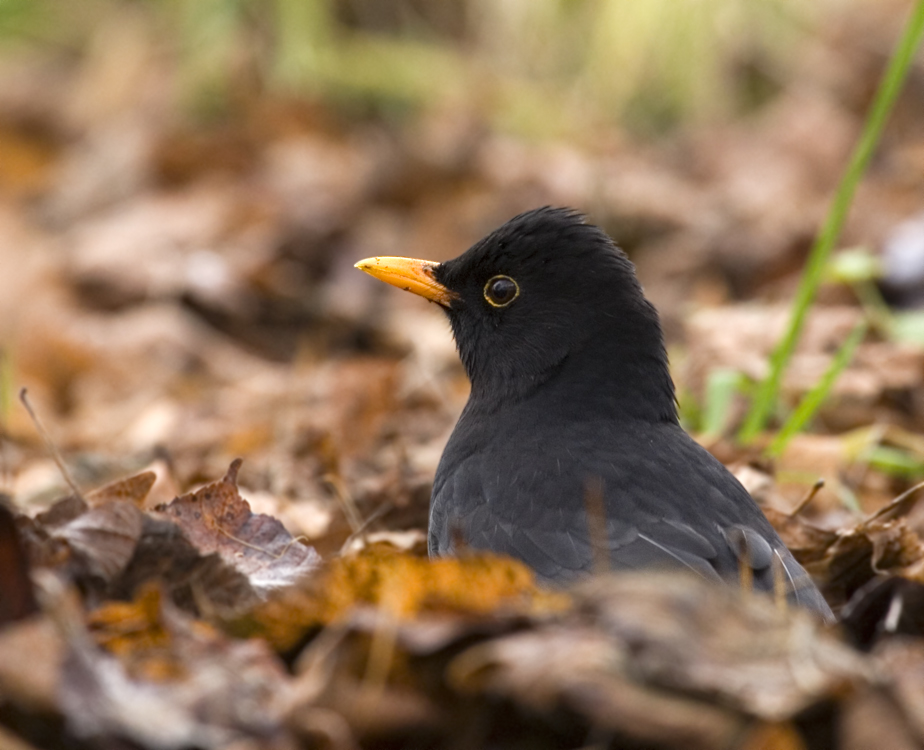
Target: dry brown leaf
105	537
133	489
404	586
197	582
217	519
844	561
807	542
882	543
61	512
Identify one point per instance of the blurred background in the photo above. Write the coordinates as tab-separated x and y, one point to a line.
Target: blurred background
186	184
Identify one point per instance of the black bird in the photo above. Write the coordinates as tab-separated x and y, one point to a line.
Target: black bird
569	451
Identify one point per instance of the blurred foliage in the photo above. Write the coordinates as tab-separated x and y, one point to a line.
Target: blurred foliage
536	66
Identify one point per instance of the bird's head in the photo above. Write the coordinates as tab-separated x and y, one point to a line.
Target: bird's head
547	299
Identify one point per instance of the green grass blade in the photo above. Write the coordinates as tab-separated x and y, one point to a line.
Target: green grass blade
896	462
815	398
889	88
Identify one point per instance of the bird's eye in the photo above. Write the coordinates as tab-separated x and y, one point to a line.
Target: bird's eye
500	291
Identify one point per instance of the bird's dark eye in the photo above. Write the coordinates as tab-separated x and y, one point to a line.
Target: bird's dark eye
500	291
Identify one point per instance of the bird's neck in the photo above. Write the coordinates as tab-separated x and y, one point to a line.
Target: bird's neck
589	384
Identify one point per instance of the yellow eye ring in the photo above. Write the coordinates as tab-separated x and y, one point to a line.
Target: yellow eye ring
501	290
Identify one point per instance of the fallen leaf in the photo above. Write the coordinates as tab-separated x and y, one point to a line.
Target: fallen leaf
404	586
105	537
198	583
807	542
133	489
217	519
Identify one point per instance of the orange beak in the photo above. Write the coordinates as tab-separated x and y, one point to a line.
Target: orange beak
409	274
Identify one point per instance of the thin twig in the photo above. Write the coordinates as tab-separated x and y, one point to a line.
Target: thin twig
361	531
347	504
809	496
899	506
49	443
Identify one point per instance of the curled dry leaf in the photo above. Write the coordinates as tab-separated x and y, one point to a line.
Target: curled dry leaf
881	546
113	549
64	510
217	519
47	543
405	585
845	561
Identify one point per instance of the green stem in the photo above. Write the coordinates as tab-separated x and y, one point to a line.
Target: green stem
813	400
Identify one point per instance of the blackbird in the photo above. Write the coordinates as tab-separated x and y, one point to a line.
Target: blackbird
569	454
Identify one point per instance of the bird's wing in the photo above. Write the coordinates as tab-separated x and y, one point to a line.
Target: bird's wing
556	539
563	554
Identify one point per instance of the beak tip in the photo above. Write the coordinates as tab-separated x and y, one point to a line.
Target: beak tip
410	274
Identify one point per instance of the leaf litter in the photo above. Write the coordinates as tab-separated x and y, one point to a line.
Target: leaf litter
183	294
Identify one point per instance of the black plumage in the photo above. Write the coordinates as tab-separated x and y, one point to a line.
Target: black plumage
569	453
